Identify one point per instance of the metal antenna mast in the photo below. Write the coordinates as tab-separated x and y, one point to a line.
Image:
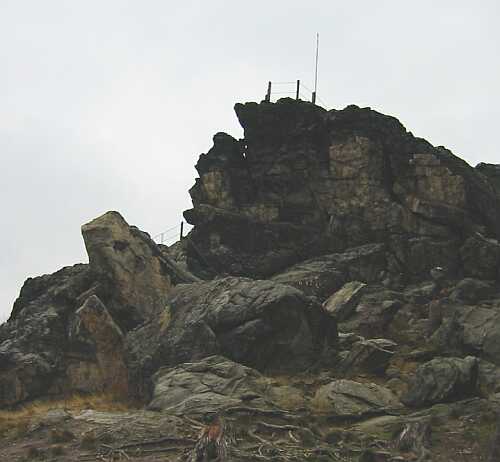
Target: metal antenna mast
316	70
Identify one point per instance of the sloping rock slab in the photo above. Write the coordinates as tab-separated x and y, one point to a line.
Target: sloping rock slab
325	275
343	302
210	385
261	324
371	355
349	399
442	380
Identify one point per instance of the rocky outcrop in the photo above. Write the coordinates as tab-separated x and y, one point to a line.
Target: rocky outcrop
305	182
33	343
481	257
371	355
131	267
443	379
316	221
207	386
492	173
322	276
349	399
66	331
260	324
94	329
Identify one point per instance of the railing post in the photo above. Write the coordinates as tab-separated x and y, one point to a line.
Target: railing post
182	229
314	97
268	94
297	94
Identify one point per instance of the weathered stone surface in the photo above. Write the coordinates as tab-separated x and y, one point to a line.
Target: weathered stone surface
322	276
349	399
343	302
209	385
23	376
261	324
371	355
136	273
470	290
481	257
305	182
374	312
480	325
48	347
94	328
441	380
318	277
33	342
488	378
492	173
448	339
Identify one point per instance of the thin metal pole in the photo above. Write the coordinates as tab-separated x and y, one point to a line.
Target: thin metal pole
182	229
298	90
316	70
268	95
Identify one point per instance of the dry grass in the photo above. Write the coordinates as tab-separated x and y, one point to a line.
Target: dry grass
16	422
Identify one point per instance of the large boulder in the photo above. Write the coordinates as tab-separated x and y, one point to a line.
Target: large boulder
212	384
372	312
478	326
260	324
306	182
349	399
371	356
131	266
441	380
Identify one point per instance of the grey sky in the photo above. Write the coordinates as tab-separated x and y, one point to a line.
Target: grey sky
106	104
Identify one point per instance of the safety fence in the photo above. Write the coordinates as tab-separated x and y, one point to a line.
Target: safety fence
173	234
294	89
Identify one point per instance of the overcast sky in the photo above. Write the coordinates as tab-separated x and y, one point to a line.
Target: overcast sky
106	104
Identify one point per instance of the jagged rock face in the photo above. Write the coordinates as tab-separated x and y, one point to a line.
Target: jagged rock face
33	343
323	276
481	257
93	326
66	331
305	182
129	263
261	324
492	172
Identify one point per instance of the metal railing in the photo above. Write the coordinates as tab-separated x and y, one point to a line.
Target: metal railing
173	234
296	91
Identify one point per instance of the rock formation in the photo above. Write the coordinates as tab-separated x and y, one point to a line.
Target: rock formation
67	329
340	273
305	182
